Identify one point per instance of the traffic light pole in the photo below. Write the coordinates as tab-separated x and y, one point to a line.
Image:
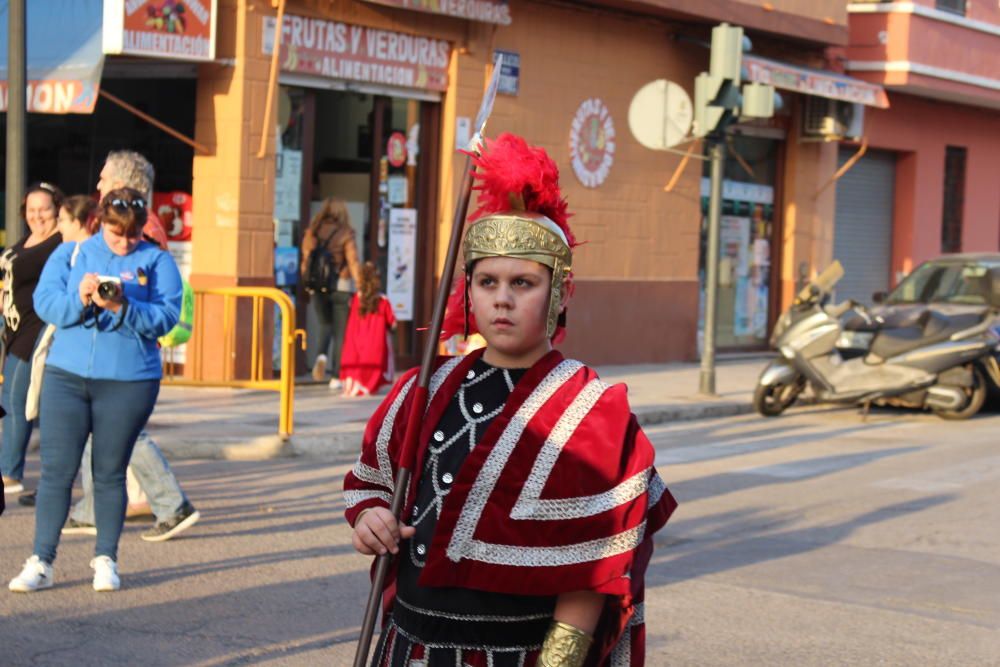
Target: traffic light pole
17	149
716	157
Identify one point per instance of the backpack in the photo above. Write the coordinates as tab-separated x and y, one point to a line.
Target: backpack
321	273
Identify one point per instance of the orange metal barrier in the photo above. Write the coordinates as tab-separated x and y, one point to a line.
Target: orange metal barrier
195	360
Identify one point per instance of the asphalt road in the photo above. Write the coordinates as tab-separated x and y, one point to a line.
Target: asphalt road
817	538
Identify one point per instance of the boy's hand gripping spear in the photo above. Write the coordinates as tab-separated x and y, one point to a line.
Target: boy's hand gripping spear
419	400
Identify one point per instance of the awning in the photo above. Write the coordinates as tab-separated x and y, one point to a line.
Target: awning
64	55
814	82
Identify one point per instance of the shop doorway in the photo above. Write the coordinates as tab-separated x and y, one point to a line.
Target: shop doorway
378	153
748	244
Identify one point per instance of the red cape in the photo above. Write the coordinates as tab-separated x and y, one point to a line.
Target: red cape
559	495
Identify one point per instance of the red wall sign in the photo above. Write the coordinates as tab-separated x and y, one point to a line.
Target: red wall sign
359	53
395	149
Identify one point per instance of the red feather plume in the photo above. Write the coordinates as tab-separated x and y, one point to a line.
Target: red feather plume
509	170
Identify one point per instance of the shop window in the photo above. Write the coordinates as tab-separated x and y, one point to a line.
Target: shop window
954	199
951	6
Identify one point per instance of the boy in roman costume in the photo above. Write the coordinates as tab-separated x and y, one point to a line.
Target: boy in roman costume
528	523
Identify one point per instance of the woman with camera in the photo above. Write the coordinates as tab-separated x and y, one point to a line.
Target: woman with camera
102	375
20	267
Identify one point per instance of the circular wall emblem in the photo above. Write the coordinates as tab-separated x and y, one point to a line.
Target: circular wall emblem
592	142
395	149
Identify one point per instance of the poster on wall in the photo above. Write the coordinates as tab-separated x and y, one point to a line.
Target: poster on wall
288	184
181	29
734	269
402	261
592	142
336	50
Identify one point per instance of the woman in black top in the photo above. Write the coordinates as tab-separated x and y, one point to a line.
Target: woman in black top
20	267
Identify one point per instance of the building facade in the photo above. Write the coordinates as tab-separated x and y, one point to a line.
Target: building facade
374	98
938	146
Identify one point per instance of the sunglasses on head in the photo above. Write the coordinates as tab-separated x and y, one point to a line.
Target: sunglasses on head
122	205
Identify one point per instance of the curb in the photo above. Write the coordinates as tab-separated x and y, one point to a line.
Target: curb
341	444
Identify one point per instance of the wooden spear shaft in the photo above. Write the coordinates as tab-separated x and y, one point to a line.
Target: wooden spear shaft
417	406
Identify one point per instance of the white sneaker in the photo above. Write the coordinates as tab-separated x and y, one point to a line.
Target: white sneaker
336	384
319	368
12	486
105	574
36	575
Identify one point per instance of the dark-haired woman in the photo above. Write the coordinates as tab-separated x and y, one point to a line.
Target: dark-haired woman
366	362
20	267
102	376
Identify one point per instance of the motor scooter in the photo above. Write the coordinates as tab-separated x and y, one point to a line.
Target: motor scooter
937	362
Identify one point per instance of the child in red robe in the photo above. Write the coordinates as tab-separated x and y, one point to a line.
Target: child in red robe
366	361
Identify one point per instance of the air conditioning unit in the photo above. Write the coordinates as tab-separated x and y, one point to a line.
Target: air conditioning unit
831	120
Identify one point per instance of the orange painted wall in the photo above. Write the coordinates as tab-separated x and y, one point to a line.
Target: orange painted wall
919	130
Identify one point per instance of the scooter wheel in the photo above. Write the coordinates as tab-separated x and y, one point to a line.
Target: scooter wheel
773	399
977	396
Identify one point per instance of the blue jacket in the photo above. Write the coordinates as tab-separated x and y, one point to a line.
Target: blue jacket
105	345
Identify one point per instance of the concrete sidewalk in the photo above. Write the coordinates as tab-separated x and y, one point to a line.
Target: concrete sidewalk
241	424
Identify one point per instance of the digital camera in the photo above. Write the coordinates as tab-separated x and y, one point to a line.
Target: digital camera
109	287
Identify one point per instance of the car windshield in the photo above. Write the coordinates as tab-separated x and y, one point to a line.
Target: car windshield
944	283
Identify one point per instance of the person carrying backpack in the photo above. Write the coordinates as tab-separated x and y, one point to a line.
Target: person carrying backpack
330	270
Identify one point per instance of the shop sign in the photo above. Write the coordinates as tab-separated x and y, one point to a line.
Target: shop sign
510	72
592	143
813	82
181	29
402	259
754	193
63	55
288	184
486	11
359	53
49	96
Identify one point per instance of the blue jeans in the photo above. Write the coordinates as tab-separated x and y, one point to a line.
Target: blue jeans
16	429
155	477
73	407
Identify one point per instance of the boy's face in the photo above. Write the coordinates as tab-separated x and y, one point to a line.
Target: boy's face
510	299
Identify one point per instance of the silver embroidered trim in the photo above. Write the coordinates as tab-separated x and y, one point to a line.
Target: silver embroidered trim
656	488
383	476
464	647
368	474
621	655
468	617
461	538
568	554
385	434
352	498
557	509
529	505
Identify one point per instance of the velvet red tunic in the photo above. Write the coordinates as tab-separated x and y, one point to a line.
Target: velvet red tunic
559	495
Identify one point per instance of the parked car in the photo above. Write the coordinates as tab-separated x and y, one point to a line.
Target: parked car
959	287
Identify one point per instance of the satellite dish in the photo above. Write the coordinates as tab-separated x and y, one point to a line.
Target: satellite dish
660	115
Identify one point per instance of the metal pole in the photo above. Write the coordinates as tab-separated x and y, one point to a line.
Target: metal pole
17	131
716	156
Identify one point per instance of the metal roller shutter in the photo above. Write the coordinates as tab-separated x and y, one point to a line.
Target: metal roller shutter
862	239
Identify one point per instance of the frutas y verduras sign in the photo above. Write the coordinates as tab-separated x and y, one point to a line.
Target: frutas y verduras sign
359	53
180	29
486	11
